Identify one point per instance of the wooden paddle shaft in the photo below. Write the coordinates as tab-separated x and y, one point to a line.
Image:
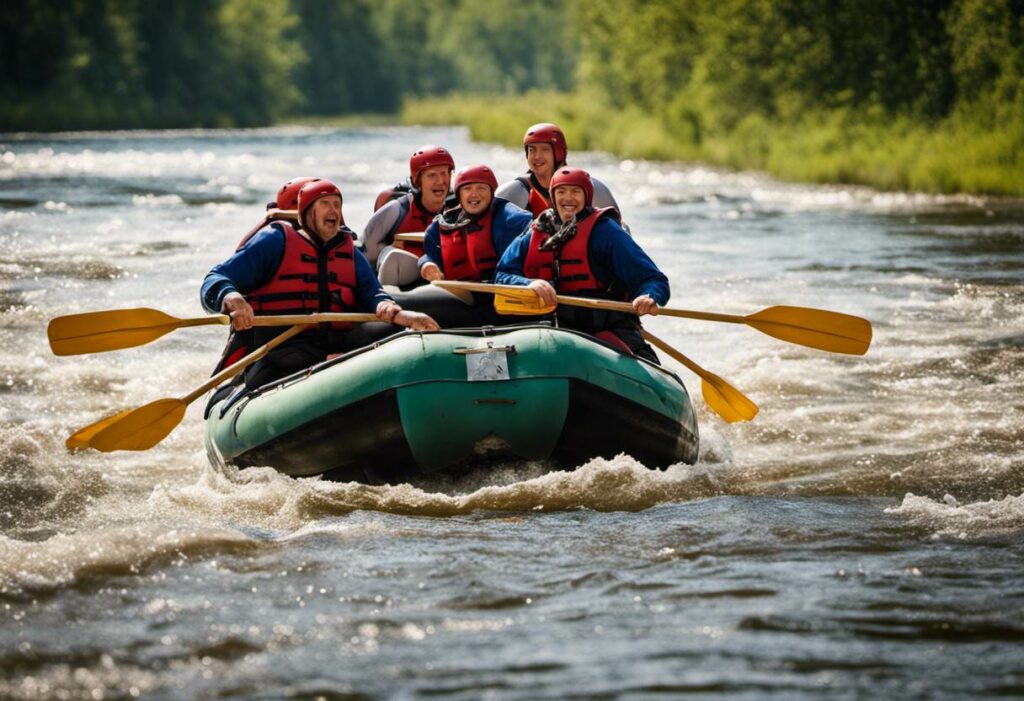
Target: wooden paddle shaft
322	318
692	366
232	370
627	308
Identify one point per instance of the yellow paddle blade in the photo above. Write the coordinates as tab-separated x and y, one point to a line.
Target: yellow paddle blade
521	305
725	400
80	438
815	328
138	429
96	332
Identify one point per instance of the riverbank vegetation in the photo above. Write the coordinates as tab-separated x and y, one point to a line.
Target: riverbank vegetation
924	94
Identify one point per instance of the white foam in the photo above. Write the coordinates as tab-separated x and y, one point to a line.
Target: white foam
950	518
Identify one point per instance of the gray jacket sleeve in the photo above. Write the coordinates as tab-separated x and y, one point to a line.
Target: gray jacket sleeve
515	192
376	230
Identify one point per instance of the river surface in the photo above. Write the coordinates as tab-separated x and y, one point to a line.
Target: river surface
863	537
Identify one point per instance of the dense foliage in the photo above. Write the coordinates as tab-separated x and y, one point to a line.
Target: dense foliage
131	63
921	93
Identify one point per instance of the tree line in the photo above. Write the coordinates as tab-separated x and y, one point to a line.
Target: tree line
78	64
925	94
708	68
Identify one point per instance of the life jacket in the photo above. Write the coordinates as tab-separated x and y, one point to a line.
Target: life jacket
268	219
538	200
412	219
311	278
468	253
567	268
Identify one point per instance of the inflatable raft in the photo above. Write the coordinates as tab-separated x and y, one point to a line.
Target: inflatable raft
416	404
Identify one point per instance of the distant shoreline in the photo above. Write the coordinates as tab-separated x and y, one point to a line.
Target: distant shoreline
893	154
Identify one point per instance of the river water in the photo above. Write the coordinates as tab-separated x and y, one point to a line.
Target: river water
863	537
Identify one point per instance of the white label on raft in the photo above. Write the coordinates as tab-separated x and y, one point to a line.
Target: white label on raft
488	366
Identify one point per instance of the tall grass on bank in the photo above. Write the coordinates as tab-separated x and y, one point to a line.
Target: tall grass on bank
959	154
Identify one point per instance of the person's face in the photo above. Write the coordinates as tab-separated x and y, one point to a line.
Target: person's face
474	197
434	183
569	201
541	160
324	217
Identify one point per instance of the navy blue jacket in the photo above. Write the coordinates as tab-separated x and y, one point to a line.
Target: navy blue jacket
507	222
614	256
255	264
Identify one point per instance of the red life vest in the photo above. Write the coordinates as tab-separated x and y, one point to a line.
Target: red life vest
568	268
537	202
310	278
414	219
468	253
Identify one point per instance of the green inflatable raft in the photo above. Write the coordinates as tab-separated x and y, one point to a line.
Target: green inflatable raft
416	404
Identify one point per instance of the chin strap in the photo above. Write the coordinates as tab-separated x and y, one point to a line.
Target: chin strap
453	218
558	232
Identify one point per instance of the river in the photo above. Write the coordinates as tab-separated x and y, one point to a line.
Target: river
863	537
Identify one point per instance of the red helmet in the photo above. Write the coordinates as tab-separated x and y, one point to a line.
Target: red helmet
573	176
475	174
288	195
426	157
548	133
313	191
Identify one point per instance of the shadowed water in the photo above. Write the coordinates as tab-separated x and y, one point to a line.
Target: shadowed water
861	538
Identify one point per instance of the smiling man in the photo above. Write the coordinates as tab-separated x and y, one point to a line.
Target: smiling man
305	270
466	242
430	170
578	250
546	150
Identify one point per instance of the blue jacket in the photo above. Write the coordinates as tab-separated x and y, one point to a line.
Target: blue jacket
255	264
614	257
507	222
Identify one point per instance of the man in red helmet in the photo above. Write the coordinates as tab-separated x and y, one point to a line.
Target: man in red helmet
582	251
466	242
430	169
304	270
546	151
240	343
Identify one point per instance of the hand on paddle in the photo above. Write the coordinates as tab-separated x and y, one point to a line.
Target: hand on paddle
431	272
390	312
545	292
235	306
645	304
417	321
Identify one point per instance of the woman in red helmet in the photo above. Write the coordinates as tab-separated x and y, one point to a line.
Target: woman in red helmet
546	151
582	251
304	270
430	169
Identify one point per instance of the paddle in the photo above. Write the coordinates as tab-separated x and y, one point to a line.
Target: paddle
724	399
97	332
145	426
815	328
289	214
414	237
